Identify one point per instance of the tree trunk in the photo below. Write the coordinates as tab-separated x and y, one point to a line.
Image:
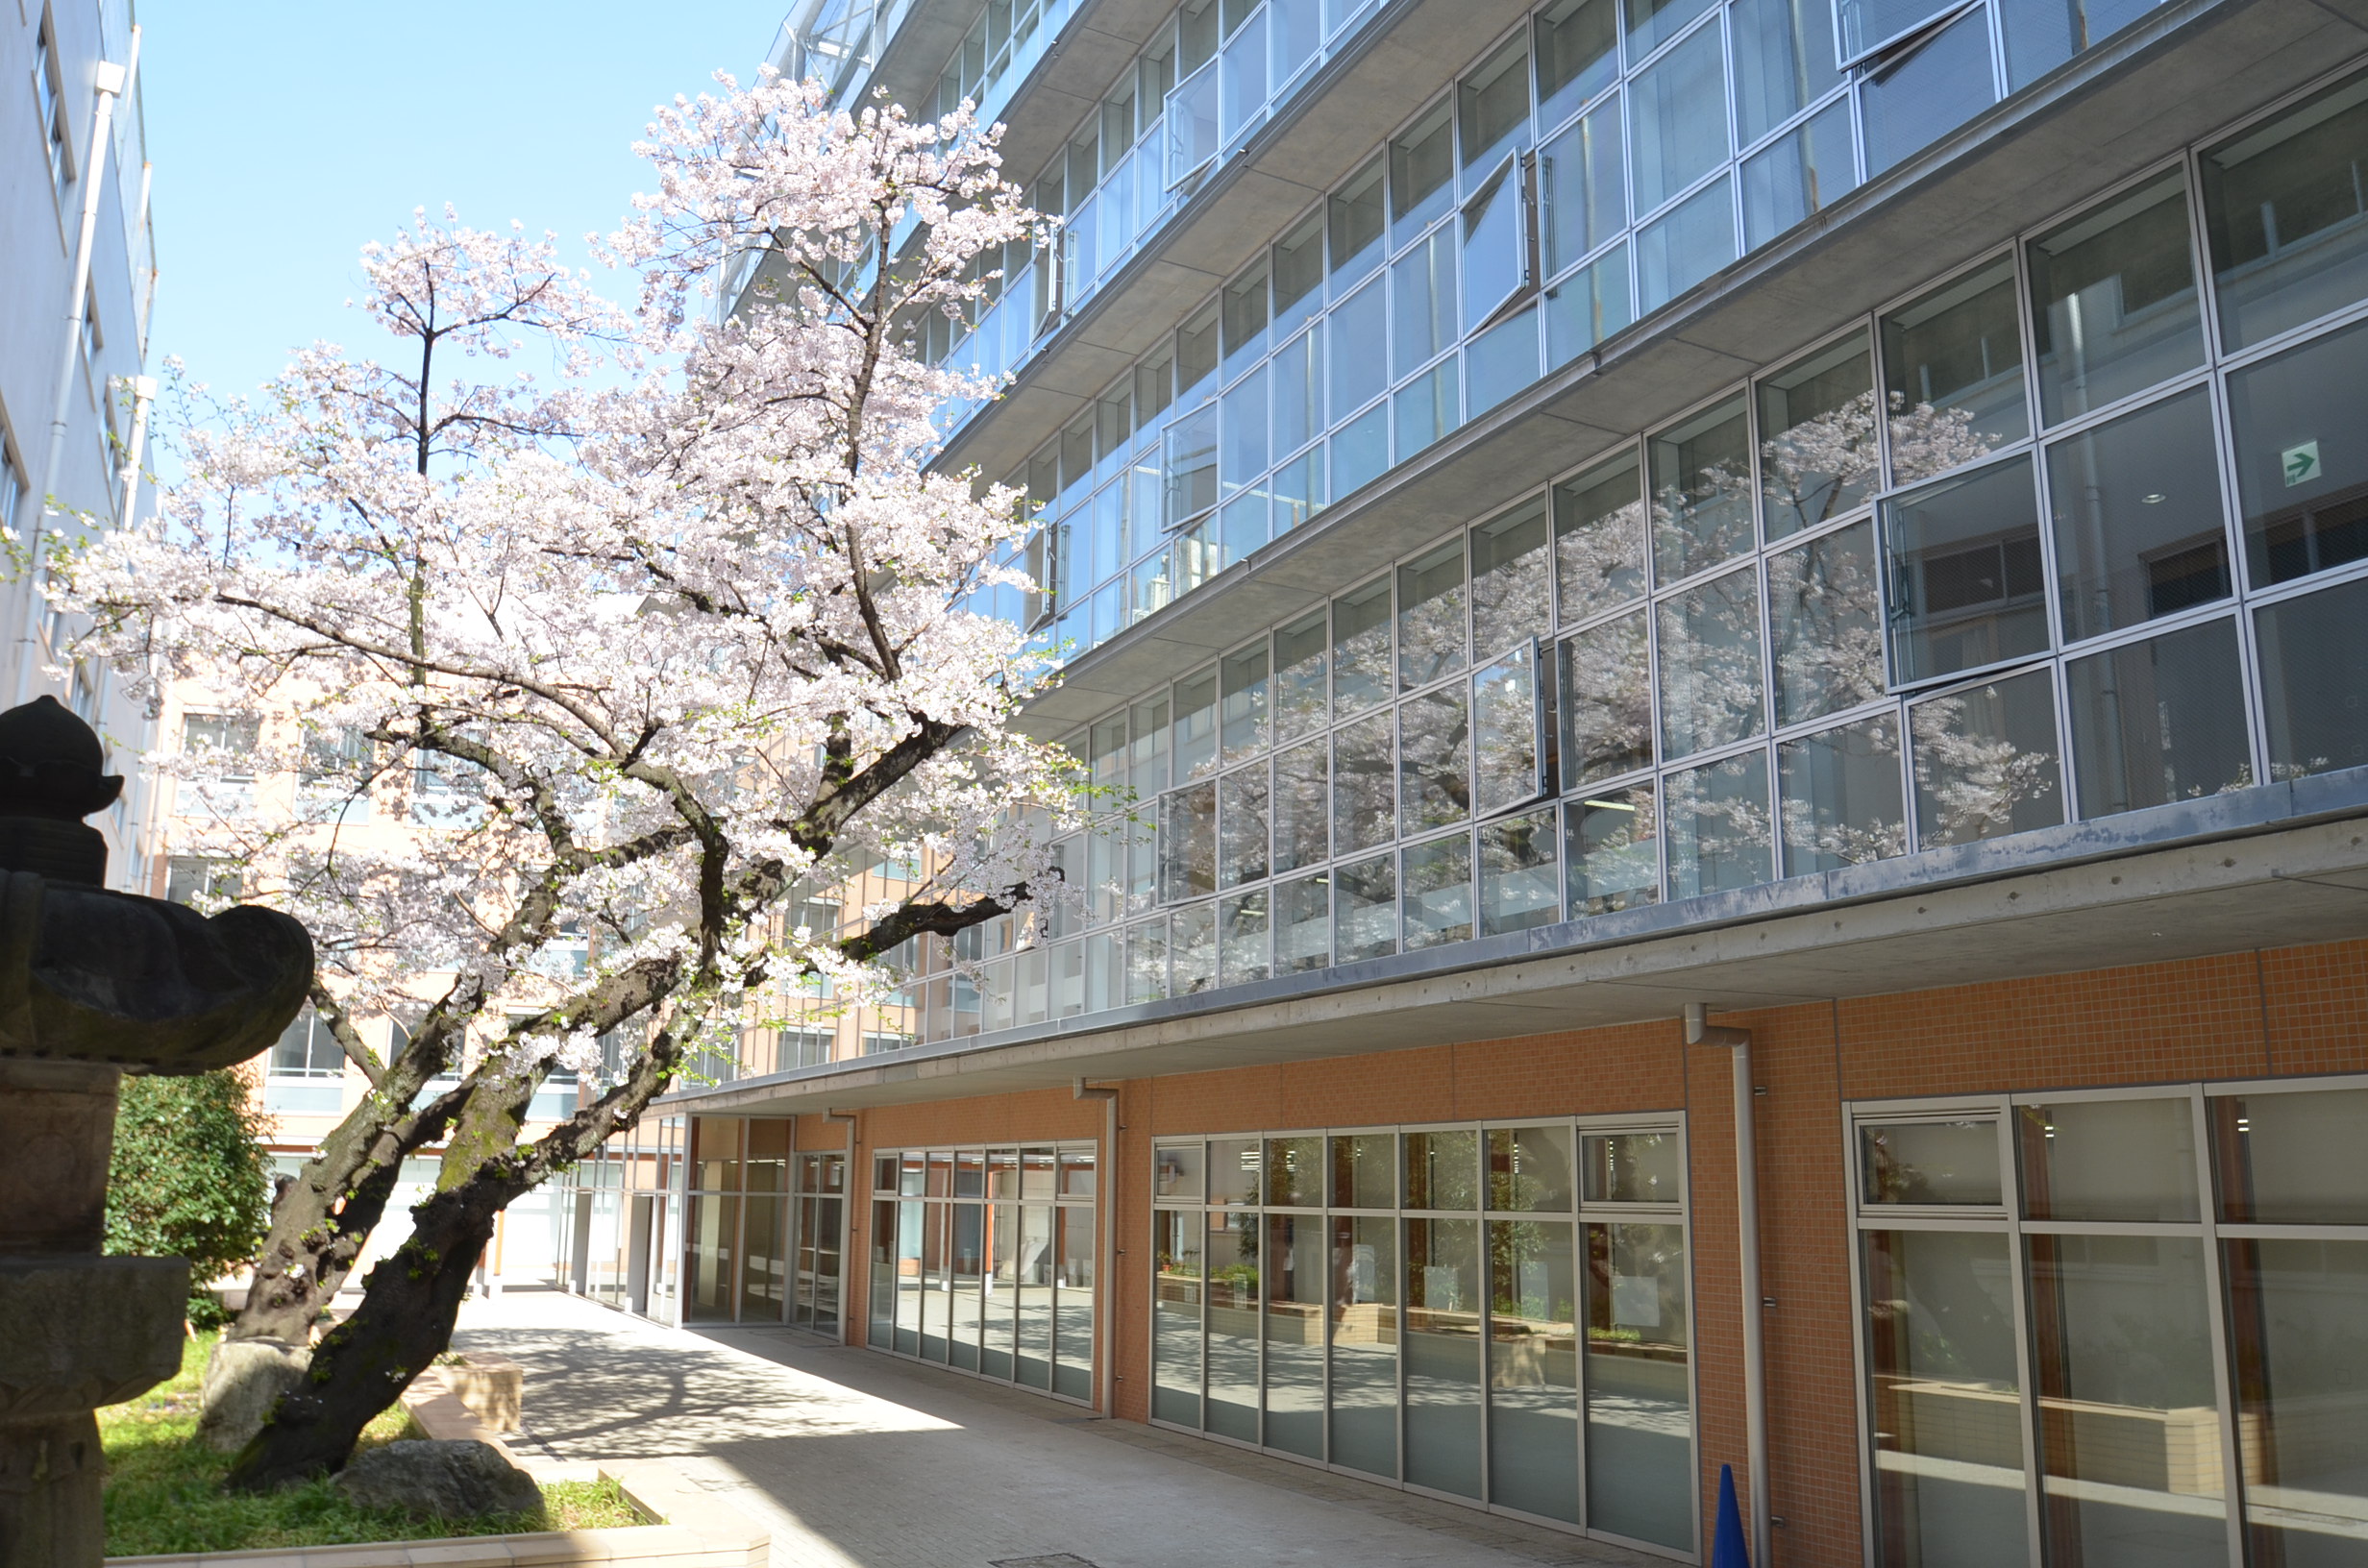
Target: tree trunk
409	1302
319	1228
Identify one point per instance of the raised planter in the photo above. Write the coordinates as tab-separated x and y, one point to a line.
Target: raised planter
491	1385
700	1530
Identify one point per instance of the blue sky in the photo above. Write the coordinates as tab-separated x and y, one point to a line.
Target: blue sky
284	135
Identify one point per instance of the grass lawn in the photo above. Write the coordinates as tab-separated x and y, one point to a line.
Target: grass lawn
165	1489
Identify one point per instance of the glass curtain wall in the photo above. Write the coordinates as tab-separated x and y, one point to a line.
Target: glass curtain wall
2113	1329
2062	535
1498	1315
985	1260
618	1219
765	1225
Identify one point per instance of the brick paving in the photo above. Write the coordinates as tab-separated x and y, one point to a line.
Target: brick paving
856	1459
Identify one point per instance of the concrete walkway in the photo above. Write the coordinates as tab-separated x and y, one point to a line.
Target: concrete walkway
856	1460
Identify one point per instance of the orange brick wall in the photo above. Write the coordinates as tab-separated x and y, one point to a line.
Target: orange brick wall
2288	1012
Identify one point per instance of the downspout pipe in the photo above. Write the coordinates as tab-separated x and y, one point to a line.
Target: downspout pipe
1700	1031
1106	1294
108	82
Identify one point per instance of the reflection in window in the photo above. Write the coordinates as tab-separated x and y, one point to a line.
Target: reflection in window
2136	508
1196	725
1598	540
1430	617
1519	874
1606	693
1501	360
1191	463
1718	827
1421	172
1583	187
2159	720
1966	578
1303	924
1423	302
1300	677
1433	761
1675	142
1803	172
1652	23
1578	54
1826	615
1426	408
1818	437
1176	1283
1358	336
1937	86
2296	1306
1241	954
1302	784
1640	1406
2292	1158
1533	1380
1985	761
1612	850
1298	391
1686	245
1363	784
1241	826
2302	473
1710	665
1784	61
1953	374
1435	884
2285	207
1492	104
1930	1162
1701	491
1360	648
1298	274
1245	708
2314	665
1841	797
1364	909
2114	301
1187	843
1588	307
1509	561
1191	949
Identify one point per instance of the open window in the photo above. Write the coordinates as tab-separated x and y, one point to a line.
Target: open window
1499	239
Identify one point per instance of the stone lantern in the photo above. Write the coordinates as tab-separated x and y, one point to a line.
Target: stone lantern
93	983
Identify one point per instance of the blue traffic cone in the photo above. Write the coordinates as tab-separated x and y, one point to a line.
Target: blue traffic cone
1729	1551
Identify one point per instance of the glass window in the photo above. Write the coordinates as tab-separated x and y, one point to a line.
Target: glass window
1191	463
2109	1160
1818	437
1937	86
1361	450
2159	720
1508	759
1588	307
2284	205
1710	665
1245	704
1196	353
1177	1171
1805	171
1299	390
1421	173
1841	797
1300	677
1632	1167
2122	1336
1578	54
1245	315
2294	1157
1191	949
2313	652
1430	617
1583	195
1302	924
1148	762
1827	618
1638	1382
2302	469
1945	1395
1985	761
1606	701
1598	540
1496	246
1234	1166
1360	648
1435	885
1443	1169
1652	23
1529	1168
1444	1287
1784	61
2295	1310
1176	1283
1509	565
1241	826
1931	1163
1502	360
1355	219
1362	1336
1612	850
1298	487
1294	1281
1966	582
1231	1402
1426	408
1492	104
2114	301
1701	491
1868	25
1187	843
1359	337
1364	909
1298	274
1147	962
1519	878
1196	725
1423	302
1365	1171
1302	784
1434	781
2041	35
1533	1378
1244	453
1953	374
2136	508
1363	784
1718	827
1686	245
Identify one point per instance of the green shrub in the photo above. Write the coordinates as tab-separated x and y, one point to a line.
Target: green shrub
190	1177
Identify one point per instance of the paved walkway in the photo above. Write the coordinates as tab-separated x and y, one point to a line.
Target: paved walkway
856	1460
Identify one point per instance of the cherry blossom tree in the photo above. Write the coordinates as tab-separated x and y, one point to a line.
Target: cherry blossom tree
648	642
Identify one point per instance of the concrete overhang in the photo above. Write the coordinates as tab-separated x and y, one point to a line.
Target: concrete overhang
2170	80
2280	866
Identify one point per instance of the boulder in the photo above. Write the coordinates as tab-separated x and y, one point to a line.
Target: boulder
244	1379
451	1480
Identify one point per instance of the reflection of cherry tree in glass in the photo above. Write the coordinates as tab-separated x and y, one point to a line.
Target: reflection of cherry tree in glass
1926	440
1724	825
1848	842
1973	781
1610	700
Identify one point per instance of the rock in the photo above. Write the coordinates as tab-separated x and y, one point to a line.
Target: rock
449	1479
244	1379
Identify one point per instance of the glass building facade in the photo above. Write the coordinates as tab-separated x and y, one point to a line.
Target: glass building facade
1495	1313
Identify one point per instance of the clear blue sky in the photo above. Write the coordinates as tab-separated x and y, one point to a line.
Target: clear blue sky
284	135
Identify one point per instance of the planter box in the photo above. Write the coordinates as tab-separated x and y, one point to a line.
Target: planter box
490	1385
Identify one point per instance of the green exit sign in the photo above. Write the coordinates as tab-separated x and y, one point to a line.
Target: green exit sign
2300	464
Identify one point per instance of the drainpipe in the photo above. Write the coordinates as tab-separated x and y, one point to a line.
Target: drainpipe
143	394
109	82
1700	1031
1106	1296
